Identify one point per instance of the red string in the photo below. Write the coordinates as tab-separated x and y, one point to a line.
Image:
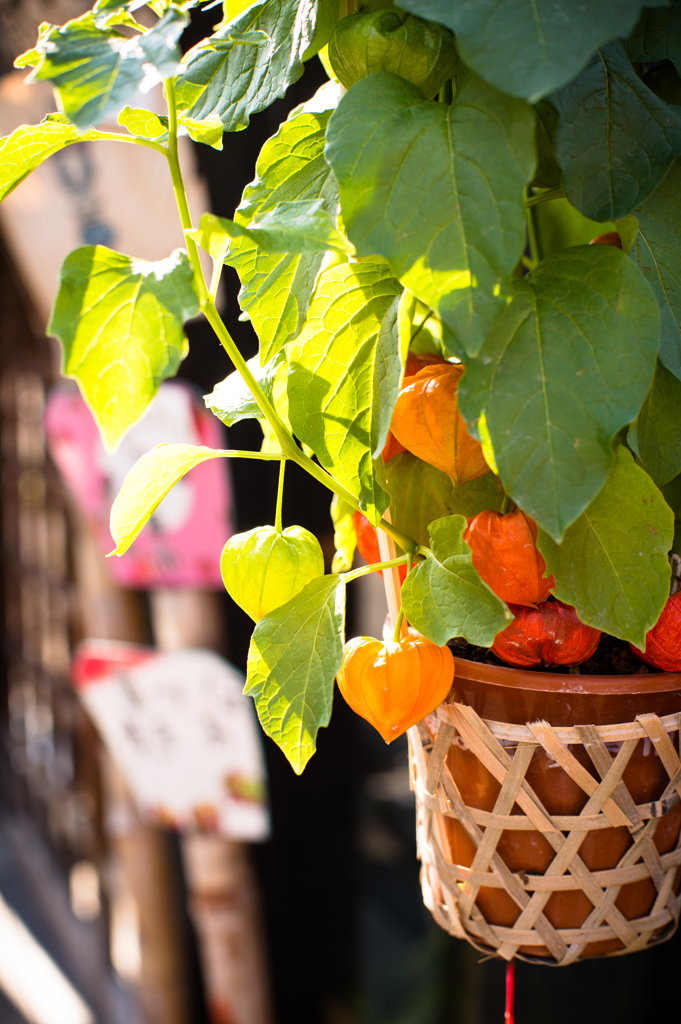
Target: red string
509	1014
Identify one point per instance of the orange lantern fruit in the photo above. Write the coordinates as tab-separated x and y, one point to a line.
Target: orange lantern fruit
395	685
663	641
506	556
414	364
550	634
428	423
367	542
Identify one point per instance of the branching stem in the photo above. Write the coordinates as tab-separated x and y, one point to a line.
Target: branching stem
289	447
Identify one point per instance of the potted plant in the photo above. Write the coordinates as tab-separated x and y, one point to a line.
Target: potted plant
492	402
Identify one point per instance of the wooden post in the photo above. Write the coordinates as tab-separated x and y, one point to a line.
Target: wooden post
223	899
143	853
391	577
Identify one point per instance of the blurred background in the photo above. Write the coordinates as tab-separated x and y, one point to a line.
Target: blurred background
154	868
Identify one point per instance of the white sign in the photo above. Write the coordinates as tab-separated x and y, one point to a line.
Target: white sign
182	733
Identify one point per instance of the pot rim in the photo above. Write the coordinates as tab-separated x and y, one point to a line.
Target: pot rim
557	682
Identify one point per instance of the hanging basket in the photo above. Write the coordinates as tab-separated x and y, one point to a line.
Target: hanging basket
549	813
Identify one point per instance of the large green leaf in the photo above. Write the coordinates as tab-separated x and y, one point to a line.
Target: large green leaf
333	377
147	484
566	366
657	36
30	144
302	226
419	493
657	251
232	400
276	289
443	597
658	429
616	139
224	76
436	189
120	322
295	654
526	48
612	563
97	70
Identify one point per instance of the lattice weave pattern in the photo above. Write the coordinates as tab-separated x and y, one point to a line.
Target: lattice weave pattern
450	889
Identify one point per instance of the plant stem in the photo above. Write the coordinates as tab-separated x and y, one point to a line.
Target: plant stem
289	448
364	570
505	504
398	625
545	197
280	496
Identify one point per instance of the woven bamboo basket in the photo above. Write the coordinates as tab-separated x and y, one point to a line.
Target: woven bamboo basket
551	842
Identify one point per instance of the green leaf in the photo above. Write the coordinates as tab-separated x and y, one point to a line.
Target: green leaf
95	71
295	654
120	322
231	400
436	189
612	564
303	226
672	495
143	122
616	139
566	366
391	354
300	226
332	375
419	493
657	252
224	77
658	428
276	289
526	48
147	484
657	36
344	535
215	234
443	597
27	147
209	131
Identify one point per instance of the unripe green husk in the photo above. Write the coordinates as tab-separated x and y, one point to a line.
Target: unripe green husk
392	40
263	569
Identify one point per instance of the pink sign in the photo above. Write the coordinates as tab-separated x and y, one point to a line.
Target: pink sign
181	544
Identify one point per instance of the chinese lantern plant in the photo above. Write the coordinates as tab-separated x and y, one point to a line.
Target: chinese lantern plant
439	345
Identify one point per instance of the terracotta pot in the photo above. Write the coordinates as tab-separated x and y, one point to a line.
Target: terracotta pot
506	695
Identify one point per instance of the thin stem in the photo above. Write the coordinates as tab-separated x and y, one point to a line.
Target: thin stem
280	496
398	625
179	189
545	197
364	570
424	321
536	253
505	504
227	453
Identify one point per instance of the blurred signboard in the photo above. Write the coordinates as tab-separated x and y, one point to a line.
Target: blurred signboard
181	732
181	545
